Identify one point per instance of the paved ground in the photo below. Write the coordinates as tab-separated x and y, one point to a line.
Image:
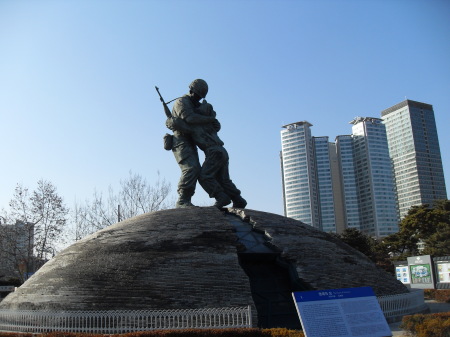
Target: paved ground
434	307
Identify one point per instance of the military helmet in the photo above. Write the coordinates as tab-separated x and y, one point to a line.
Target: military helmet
200	87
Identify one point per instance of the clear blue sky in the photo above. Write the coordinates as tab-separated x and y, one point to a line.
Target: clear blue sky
78	105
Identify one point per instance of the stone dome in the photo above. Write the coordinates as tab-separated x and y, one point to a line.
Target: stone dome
200	257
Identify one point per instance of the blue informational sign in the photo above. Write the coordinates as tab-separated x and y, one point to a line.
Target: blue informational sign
332	294
347	312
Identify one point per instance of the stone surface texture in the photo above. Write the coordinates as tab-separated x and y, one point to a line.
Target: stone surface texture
187	258
172	259
320	259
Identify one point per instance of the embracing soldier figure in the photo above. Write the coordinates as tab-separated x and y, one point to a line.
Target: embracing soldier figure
195	124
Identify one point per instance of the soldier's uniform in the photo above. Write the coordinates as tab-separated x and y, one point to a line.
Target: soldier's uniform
214	175
185	151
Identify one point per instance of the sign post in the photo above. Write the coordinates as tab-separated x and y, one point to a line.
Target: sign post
347	312
402	272
442	272
421	270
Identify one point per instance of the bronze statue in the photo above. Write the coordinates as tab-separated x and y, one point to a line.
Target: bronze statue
195	124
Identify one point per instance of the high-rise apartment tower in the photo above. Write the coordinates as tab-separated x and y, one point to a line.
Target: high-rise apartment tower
374	178
324	178
333	186
349	197
415	153
299	173
310	183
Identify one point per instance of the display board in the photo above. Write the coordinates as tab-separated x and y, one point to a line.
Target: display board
444	272
402	273
348	312
421	270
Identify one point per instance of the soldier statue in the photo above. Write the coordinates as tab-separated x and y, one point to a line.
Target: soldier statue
194	124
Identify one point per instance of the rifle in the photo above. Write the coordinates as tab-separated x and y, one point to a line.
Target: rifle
166	108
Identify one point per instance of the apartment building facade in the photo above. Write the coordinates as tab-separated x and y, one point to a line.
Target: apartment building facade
415	154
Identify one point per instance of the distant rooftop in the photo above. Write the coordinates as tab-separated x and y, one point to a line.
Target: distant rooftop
297	124
357	120
406	103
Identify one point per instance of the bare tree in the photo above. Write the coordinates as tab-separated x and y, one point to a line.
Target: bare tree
50	218
35	224
135	196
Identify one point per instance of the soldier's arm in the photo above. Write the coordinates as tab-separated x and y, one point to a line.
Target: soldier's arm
195	118
202	115
210	112
207	109
177	124
189	114
216	125
184	110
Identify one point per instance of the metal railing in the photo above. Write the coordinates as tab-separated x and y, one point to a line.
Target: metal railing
110	322
402	304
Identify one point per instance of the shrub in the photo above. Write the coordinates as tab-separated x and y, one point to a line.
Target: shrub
197	333
434	327
281	332
430	325
410	322
439	295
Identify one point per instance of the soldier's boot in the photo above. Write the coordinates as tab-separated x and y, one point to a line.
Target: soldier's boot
239	202
221	200
184	200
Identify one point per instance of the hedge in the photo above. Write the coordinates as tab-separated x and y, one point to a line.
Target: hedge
279	332
439	295
427	325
